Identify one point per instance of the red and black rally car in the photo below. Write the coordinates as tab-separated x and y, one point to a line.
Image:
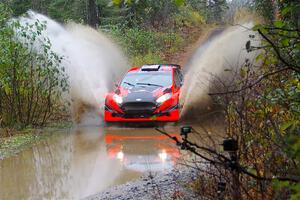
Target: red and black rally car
148	93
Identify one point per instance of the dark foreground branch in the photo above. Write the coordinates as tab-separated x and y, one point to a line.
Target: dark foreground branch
222	160
280	57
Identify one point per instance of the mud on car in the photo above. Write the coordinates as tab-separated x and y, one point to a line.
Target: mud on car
148	93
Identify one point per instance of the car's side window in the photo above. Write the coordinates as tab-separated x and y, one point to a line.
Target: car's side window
180	76
177	78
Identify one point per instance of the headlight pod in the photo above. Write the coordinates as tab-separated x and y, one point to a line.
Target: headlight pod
118	99
164	98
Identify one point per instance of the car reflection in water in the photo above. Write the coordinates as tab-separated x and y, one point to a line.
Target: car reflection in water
142	150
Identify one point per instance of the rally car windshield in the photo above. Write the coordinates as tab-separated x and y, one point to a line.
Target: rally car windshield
158	79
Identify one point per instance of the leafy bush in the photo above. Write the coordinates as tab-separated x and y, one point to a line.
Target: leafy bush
188	17
171	41
31	82
146	46
148	58
141	42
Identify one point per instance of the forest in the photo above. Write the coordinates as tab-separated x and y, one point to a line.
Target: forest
260	105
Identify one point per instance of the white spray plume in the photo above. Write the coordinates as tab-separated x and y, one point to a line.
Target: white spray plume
225	51
92	61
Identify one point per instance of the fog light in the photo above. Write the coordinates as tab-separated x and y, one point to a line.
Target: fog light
120	155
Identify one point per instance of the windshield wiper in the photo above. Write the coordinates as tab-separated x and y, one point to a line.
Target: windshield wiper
128	83
149	84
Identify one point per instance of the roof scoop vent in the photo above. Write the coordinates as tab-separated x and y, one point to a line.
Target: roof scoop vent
150	67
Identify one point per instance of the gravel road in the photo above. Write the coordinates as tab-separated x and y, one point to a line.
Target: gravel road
169	185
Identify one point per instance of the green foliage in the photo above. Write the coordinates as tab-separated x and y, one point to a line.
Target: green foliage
140	60
129	13
265	115
148	12
141	41
282	185
179	2
266	8
5	14
31	81
143	33
216	10
189	17
19	7
146	46
62	11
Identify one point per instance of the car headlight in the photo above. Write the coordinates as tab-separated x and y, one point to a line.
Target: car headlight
118	99
164	98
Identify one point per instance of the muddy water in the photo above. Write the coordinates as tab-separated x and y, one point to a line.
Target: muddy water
82	161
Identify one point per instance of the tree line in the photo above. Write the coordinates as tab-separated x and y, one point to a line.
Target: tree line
129	12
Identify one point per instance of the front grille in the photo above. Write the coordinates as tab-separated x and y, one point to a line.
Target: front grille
138	109
138	106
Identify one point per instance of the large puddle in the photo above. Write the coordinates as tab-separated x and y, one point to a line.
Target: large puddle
80	162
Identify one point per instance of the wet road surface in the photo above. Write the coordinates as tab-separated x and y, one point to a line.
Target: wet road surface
79	162
82	161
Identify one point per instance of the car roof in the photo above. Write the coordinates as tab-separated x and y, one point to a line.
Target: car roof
155	67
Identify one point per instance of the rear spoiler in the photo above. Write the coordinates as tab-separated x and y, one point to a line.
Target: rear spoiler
173	65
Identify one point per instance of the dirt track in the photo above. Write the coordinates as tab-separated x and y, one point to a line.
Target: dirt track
182	56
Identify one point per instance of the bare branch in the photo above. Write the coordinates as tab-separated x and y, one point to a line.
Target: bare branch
262	77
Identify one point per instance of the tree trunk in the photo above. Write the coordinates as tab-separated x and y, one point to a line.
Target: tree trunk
1	111
92	14
14	116
36	5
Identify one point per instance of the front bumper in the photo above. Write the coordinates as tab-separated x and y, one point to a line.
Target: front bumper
171	115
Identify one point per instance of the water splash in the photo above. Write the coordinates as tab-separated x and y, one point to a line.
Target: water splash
224	51
92	61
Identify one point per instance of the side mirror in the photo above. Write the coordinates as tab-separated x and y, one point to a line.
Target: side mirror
167	90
